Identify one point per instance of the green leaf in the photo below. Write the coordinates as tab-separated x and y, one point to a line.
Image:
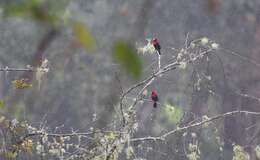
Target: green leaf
2	104
84	36
173	113
31	9
20	9
17	10
9	155
126	55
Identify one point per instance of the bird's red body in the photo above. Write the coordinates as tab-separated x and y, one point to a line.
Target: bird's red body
154	97
156	45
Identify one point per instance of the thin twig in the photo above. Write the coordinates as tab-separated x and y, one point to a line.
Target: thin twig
159	61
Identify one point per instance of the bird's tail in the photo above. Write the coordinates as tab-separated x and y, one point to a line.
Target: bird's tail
154	104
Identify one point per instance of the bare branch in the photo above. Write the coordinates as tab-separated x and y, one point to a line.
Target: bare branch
7	69
65	134
177	130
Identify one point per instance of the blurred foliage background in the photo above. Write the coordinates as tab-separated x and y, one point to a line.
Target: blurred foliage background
90	44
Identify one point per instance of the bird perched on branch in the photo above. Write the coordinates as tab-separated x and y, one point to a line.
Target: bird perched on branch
155	98
156	45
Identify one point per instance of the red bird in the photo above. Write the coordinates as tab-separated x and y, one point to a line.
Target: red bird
155	98
156	45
